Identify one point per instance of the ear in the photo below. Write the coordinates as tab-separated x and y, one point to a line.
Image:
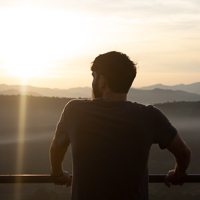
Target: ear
102	82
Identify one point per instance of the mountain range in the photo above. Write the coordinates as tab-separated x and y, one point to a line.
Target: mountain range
147	95
192	88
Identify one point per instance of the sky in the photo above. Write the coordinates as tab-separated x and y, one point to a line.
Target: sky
52	43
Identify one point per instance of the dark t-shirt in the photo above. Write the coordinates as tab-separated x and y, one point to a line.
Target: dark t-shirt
110	147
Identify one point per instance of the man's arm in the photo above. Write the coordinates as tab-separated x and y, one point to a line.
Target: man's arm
56	155
181	153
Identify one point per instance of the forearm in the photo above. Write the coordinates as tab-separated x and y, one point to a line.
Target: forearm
181	153
56	155
182	162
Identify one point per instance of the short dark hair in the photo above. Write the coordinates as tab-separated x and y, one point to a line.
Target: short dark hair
118	69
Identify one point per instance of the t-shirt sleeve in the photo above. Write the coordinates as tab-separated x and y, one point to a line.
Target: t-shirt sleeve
61	133
164	130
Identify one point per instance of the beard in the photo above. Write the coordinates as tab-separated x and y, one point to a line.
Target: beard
96	93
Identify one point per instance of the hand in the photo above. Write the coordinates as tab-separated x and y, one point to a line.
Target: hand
64	179
174	178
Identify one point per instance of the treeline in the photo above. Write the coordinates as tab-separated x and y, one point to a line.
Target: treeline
181	109
10	102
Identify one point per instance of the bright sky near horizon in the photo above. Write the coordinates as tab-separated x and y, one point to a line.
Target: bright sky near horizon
52	43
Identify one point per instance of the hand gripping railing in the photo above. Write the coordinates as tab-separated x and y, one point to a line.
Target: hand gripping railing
46	178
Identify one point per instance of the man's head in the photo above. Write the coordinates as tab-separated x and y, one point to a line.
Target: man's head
118	70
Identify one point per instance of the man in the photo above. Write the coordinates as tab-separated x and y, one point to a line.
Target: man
111	138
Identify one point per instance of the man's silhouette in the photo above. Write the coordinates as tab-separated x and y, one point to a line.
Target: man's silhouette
111	138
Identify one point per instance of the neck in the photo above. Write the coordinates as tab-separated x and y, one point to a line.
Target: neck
114	97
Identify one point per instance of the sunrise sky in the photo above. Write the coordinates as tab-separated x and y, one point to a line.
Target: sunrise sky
52	43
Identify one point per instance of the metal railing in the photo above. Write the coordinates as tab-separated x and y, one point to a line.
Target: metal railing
46	178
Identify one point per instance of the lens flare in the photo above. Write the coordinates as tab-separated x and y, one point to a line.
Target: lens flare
21	138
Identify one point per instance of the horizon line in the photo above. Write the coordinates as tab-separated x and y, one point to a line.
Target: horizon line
27	85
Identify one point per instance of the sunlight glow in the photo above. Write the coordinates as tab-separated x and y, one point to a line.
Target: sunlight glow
21	131
33	38
26	70
21	139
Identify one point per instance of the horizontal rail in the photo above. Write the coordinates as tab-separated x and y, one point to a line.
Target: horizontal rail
45	178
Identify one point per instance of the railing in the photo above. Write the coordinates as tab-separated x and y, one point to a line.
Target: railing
45	178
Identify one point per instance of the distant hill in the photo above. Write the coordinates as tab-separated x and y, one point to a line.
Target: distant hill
17	92
160	96
83	92
181	110
145	96
192	88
